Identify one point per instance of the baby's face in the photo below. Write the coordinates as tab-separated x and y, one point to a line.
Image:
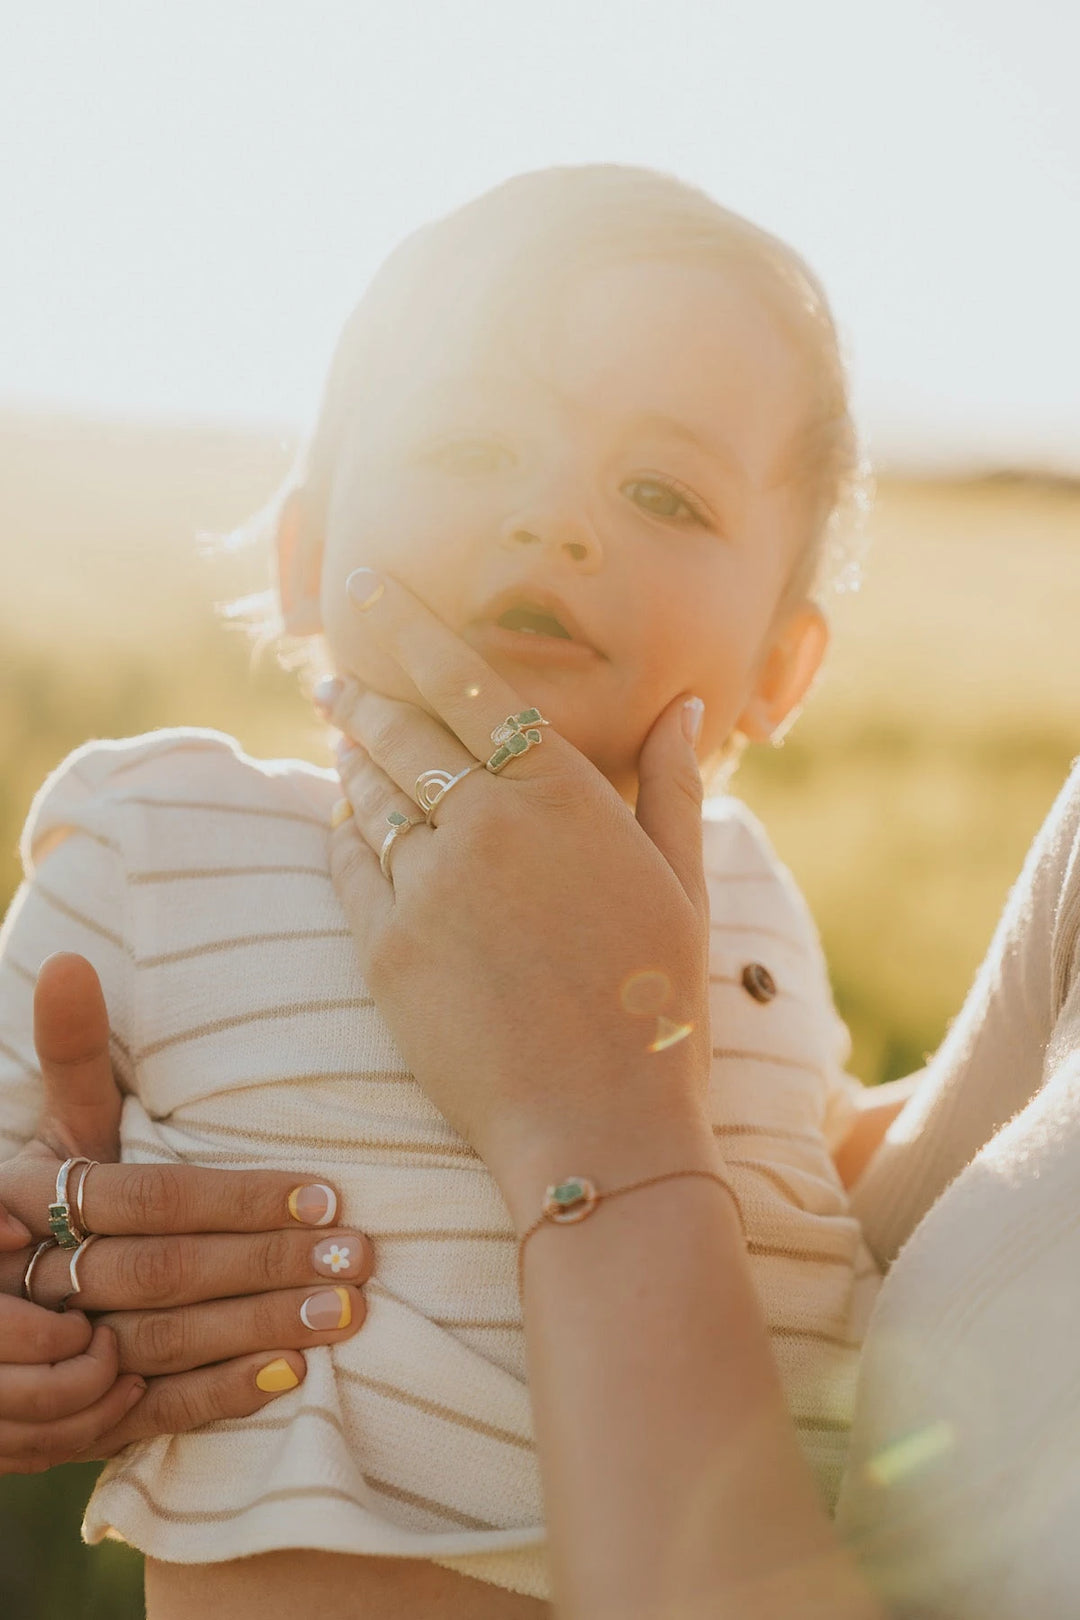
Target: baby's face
601	510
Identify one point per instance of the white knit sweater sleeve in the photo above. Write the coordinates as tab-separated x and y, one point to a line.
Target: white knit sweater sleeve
991	1063
962	1491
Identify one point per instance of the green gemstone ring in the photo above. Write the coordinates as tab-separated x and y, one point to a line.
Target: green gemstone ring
515	735
570	1200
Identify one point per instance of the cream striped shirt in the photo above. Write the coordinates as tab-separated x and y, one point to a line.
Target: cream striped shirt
197	881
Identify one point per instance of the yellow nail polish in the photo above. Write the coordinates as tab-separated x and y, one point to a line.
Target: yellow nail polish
340	813
346	1307
275	1377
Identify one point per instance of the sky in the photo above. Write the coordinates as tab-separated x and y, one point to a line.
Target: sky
192	196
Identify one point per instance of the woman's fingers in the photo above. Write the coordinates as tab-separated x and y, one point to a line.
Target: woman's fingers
670	793
30	1334
43	1393
124	1273
455	682
122	1199
169	1341
183	1401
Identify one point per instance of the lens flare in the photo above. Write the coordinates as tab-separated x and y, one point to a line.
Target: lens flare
913	1451
645	992
668	1034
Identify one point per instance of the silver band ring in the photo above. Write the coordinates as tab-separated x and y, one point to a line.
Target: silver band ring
62	1221
73	1270
81	1189
398	825
433	786
28	1274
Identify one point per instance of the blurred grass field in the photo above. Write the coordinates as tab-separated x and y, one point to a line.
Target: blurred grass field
904	801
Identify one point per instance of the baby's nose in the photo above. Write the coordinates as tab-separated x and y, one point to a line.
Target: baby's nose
569	535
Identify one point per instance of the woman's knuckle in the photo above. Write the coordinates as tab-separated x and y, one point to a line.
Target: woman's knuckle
276	1258
152	1200
156	1272
160	1339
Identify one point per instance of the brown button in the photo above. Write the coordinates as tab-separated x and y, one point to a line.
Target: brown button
758	982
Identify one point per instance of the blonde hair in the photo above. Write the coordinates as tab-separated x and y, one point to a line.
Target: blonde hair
536	233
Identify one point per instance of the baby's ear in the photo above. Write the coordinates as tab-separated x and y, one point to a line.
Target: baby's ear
791	661
299	547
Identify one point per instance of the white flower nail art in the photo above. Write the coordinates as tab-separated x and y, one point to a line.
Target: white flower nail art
337	1257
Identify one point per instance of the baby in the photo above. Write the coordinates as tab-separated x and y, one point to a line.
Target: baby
599	425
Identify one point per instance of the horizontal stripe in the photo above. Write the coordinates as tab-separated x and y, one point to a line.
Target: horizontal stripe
438	1509
459	1234
779	1331
255	1425
306	818
294	1009
730	1053
337	1143
770	1174
20	1062
184	874
761	876
173	748
449	1414
21	972
294	1493
822	1425
478	1324
773	1132
79	917
779	994
758	928
334	1076
821	1257
215	947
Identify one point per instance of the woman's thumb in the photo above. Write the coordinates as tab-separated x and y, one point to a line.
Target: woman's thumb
71	1033
670	791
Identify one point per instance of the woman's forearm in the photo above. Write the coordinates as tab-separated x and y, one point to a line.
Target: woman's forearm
673	1478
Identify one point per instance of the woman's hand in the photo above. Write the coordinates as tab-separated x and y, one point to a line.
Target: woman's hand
195	1296
541	954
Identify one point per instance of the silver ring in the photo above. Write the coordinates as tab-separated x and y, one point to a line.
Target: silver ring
62	1221
433	786
73	1270
80	1190
398	825
28	1274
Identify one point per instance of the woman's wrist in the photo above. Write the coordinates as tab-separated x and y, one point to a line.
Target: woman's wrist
625	1145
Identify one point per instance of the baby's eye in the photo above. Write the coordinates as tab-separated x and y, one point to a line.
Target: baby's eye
469	457
664	500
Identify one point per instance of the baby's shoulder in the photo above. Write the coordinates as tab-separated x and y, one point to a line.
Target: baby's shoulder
107	787
741	863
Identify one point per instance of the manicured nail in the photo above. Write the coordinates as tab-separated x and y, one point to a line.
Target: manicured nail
326	693
330	1308
364	587
275	1377
337	1255
693	712
340	813
315	1205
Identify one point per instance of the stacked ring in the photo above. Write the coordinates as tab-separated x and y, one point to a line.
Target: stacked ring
63	1220
398	824
433	786
28	1274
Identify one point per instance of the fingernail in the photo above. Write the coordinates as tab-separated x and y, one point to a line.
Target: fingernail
276	1377
344	749
135	1393
340	813
338	1255
364	587
328	1309
314	1205
693	712
326	693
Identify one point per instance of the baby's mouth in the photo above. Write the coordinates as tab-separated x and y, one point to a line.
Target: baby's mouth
533	621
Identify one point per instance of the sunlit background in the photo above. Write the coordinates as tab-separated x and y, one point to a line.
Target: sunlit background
191	199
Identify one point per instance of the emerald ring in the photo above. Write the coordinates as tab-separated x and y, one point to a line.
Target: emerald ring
515	735
63	1221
